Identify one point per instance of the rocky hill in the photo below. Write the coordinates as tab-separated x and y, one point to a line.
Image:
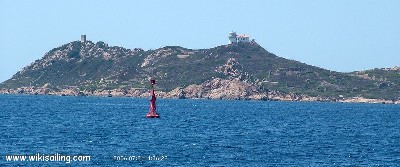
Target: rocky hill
239	71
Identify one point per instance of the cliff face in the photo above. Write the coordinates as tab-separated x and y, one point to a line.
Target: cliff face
241	71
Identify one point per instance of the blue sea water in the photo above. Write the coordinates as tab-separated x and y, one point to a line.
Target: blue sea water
115	132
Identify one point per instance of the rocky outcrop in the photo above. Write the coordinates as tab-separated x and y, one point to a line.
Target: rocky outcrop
228	89
233	69
215	89
366	100
176	93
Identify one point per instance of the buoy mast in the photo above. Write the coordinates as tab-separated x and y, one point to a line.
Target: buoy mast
152	110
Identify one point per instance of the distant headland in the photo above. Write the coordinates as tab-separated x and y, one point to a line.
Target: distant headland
239	70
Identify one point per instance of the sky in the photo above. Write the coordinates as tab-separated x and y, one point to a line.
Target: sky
339	35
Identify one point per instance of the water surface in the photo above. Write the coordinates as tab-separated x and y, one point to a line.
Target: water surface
199	132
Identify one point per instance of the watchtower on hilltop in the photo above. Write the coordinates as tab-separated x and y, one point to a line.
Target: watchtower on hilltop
232	37
83	38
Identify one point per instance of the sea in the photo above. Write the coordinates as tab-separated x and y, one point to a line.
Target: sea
113	131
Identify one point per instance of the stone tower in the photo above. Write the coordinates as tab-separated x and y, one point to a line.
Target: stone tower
232	37
83	38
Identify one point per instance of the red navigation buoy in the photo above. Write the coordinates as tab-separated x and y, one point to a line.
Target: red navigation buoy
152	111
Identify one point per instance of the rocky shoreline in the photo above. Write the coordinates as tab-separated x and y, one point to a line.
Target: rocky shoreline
215	89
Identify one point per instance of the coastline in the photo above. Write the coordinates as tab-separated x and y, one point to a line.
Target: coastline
181	93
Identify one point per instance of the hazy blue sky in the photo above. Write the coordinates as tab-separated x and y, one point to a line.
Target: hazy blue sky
341	35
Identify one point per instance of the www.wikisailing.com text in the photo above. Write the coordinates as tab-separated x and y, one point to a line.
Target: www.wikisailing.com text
48	158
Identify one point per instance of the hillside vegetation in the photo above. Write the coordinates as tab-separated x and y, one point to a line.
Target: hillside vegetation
92	67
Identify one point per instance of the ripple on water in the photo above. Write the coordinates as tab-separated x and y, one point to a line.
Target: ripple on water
201	132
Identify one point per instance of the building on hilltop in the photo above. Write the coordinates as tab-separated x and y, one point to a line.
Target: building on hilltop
234	38
243	38
83	38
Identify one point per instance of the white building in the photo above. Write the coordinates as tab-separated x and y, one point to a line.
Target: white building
243	38
234	38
